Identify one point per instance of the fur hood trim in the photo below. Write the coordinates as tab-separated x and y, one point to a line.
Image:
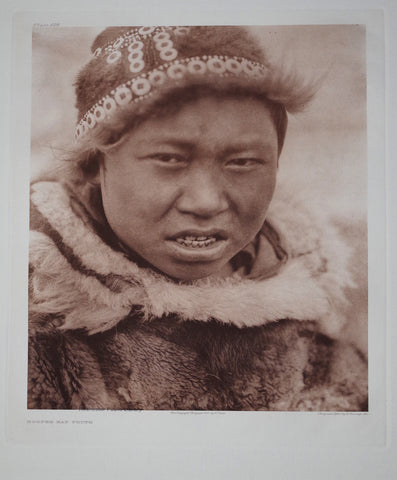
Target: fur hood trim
94	287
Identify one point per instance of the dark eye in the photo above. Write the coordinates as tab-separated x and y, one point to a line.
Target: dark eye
170	159
244	162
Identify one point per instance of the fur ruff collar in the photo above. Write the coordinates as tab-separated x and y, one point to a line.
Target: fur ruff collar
95	287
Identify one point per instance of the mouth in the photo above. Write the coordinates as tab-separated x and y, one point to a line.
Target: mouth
193	241
198	246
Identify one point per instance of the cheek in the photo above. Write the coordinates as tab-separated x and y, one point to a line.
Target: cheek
254	197
134	199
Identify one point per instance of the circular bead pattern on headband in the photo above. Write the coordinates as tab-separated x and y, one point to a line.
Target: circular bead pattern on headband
80	130
157	78
137	66
146	30
164	45
169	54
197	66
136	55
99	113
123	95
114	56
176	71
91	120
166	48
143	85
181	30
248	67
159	37
233	65
135	34
109	105
216	65
137	45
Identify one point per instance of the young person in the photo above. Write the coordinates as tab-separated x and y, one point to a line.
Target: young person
165	273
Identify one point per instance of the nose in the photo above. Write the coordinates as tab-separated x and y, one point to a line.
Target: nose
203	193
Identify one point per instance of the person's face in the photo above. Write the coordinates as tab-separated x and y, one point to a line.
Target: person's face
189	190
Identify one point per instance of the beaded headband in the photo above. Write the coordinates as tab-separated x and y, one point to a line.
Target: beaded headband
132	64
150	56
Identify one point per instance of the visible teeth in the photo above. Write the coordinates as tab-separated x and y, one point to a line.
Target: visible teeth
196	242
190	238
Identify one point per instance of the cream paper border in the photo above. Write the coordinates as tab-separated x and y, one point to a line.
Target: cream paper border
112	426
219	433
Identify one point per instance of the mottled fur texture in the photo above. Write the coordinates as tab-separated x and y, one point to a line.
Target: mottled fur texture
105	333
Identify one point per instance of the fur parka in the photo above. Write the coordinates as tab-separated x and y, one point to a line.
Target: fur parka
105	333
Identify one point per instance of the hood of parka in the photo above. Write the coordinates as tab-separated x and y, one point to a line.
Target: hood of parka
91	286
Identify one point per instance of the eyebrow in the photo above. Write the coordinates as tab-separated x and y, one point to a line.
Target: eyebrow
169	141
242	146
238	146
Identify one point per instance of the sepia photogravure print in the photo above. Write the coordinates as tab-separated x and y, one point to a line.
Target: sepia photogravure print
198	218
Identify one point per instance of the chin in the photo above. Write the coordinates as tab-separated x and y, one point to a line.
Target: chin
197	272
